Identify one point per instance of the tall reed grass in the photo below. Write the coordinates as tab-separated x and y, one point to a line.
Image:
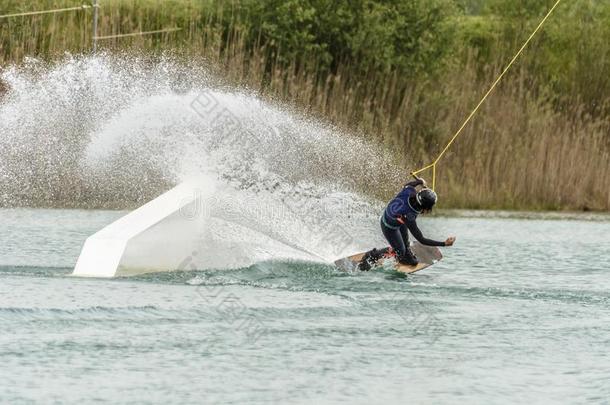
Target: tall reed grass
520	152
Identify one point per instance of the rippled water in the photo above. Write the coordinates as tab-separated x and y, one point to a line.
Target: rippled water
518	311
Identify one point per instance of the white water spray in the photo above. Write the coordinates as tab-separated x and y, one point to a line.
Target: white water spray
107	131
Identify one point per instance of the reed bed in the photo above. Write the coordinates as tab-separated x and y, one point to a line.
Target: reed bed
522	151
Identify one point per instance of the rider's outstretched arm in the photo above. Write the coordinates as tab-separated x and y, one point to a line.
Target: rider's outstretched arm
414	229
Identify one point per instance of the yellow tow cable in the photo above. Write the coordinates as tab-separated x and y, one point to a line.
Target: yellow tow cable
476	109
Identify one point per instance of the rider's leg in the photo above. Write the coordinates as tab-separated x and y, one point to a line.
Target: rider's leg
408	257
394	238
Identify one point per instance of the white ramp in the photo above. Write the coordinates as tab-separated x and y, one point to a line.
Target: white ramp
155	237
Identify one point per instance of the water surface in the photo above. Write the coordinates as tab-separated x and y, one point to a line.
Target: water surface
518	311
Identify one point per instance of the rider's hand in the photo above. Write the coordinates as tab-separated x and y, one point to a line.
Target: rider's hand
416	177
450	241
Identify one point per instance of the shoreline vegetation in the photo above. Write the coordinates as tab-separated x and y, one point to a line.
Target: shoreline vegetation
400	74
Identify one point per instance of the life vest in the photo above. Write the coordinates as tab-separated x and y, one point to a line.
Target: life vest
399	209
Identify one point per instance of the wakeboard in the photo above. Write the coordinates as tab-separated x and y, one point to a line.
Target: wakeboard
426	255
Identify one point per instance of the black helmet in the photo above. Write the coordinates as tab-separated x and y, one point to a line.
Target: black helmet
426	199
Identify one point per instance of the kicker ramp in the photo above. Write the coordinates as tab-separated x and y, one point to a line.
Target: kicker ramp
158	236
